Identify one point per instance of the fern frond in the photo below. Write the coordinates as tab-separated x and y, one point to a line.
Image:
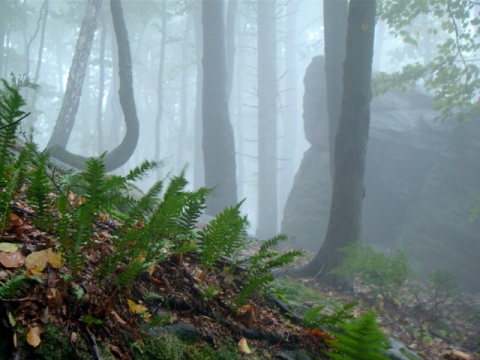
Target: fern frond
223	236
360	339
141	171
193	207
8	290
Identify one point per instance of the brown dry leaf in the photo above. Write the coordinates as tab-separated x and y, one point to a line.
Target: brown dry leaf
118	318
12	259
246	315
243	346
8	247
33	336
15	220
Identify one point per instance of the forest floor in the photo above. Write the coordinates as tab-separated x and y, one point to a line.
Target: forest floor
49	312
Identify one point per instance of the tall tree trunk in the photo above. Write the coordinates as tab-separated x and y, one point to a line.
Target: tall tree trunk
184	96
230	43
198	165
101	86
66	117
335	32
350	144
120	155
291	117
267	120
161	67
218	141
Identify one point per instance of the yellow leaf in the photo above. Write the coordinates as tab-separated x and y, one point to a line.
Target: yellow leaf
54	259
33	336
137	308
11	319
243	346
39	260
8	247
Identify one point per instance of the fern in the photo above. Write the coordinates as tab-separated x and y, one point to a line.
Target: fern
258	270
11	168
314	318
40	186
360	340
9	289
223	236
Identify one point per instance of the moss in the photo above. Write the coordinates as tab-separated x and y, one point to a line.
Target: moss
56	345
169	347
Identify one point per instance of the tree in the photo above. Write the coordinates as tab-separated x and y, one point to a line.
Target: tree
71	100
335	32
452	74
161	69
350	144
218	141
118	156
267	120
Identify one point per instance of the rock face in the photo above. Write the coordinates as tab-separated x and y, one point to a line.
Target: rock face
421	178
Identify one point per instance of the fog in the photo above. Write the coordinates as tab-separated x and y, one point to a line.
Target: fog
413	160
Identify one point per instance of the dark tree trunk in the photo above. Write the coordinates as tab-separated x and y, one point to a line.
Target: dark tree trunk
120	155
161	67
335	32
350	144
218	141
267	120
71	100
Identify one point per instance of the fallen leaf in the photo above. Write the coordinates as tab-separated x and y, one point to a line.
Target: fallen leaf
243	346
119	319
12	259
74	337
40	259
138	308
33	336
246	315
8	247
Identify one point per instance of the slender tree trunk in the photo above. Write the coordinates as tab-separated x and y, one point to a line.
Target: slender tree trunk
183	97
291	117
350	144
161	67
101	87
3	33
218	141
230	43
198	165
122	153
267	120
335	32
68	112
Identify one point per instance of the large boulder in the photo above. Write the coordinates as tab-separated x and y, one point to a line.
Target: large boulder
421	178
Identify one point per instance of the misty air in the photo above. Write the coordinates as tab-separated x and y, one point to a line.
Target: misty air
265	179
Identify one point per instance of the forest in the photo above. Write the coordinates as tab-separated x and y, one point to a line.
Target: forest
208	179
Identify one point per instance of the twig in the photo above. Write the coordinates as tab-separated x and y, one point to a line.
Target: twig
15	122
94	344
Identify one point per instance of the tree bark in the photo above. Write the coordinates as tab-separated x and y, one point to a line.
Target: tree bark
71	100
161	67
267	120
335	32
218	141
350	145
120	155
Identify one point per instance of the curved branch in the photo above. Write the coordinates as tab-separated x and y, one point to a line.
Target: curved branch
120	155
